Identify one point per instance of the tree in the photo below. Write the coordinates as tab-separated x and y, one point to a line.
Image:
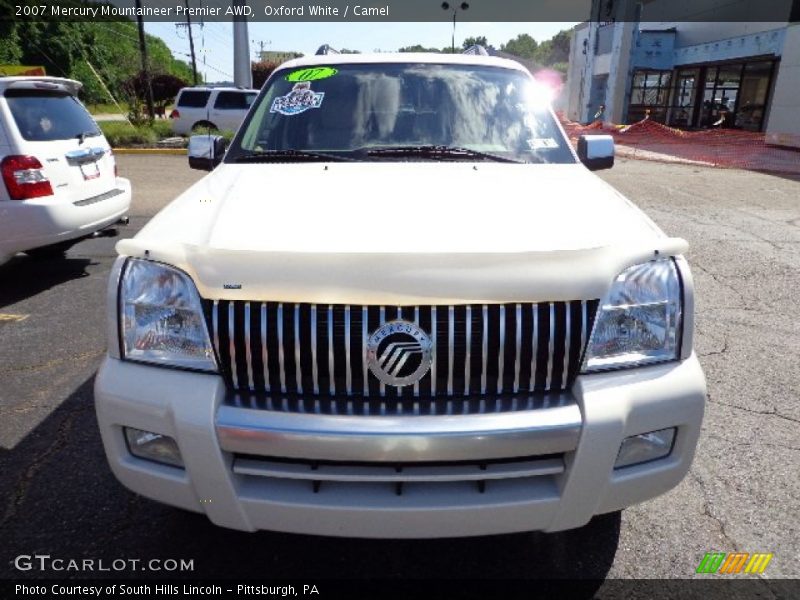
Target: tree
10	52
419	48
165	87
475	41
66	49
348	51
523	46
261	72
554	50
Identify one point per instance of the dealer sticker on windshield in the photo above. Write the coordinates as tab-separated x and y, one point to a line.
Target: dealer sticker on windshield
540	143
299	100
312	74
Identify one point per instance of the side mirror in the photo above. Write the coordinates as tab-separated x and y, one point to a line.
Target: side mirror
206	151
596	151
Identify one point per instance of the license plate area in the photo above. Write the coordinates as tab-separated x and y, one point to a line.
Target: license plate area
90	170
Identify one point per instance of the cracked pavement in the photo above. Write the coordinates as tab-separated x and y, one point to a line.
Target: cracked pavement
57	495
743	492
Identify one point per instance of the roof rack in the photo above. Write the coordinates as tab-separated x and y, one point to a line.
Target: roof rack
476	50
326	49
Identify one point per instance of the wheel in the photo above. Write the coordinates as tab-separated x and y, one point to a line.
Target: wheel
203	127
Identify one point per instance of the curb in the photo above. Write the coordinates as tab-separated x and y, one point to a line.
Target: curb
149	150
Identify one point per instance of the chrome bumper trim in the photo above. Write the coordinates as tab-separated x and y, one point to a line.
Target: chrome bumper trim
399	438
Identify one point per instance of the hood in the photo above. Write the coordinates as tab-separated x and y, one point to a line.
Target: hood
400	232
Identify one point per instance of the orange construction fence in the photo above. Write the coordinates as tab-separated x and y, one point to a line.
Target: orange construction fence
731	148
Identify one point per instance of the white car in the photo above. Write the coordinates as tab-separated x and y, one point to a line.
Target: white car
401	306
59	176
222	108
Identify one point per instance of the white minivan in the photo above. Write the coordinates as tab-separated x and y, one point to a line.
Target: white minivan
59	176
222	108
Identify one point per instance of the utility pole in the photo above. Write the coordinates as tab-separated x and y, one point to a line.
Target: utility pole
242	70
462	6
261	44
145	70
188	26
191	43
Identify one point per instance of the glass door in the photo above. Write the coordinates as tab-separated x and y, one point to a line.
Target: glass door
753	95
684	96
720	92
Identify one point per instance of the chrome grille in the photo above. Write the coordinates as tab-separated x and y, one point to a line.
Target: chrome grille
310	357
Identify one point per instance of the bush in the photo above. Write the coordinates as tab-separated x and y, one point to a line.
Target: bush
261	72
120	134
162	128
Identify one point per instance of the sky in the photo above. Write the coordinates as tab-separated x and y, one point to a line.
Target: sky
214	42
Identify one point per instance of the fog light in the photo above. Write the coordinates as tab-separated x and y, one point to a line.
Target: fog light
645	447
153	446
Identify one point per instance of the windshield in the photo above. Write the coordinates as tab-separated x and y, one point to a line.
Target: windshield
44	116
402	112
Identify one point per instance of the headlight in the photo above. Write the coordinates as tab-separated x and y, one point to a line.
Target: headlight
162	317
639	320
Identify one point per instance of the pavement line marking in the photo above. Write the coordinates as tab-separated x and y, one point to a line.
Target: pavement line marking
9	318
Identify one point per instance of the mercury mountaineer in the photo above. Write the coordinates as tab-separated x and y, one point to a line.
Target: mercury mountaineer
400	305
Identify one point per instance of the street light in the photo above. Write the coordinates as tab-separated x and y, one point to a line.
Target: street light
462	6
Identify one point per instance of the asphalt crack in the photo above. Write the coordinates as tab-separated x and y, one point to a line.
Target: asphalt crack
745	305
741	443
719	352
707	510
26	479
769	413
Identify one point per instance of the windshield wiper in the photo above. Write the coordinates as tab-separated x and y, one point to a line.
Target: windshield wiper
283	155
84	134
437	151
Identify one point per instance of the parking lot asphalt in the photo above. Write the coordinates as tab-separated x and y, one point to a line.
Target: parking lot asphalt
58	496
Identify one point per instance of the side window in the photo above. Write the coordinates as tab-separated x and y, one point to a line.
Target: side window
234	100
193	99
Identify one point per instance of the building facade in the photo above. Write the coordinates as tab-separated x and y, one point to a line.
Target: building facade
278	56
690	75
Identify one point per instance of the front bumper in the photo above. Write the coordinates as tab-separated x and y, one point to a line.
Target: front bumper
578	439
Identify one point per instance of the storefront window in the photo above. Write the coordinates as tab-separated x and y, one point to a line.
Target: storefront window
649	95
733	95
753	95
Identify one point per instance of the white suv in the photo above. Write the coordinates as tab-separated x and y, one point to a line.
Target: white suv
59	177
401	307
222	108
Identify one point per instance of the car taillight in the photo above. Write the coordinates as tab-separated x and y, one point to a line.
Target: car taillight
24	177
175	114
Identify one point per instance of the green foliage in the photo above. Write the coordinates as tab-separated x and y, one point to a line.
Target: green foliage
523	46
554	50
67	49
10	52
419	48
120	134
261	72
475	41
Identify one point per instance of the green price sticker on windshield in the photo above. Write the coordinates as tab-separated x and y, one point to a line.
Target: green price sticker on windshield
312	74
